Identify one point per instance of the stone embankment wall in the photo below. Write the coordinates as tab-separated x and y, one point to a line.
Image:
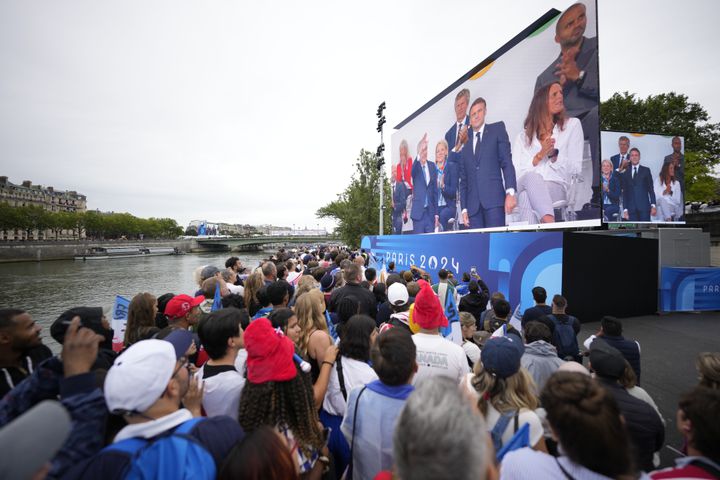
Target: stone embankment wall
66	250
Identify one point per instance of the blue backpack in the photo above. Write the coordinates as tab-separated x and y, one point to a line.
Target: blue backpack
520	439
177	455
564	337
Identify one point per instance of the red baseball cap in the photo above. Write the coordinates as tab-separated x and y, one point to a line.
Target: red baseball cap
270	353
180	305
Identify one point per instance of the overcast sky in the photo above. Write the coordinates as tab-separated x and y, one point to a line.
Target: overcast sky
254	112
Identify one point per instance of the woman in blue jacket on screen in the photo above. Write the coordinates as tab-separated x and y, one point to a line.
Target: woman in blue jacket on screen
610	192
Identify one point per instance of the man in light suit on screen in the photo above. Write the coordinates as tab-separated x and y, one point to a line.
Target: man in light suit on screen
424	202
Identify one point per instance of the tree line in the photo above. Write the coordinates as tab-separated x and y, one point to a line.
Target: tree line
95	224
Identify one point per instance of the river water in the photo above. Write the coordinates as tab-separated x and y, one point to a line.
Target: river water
46	289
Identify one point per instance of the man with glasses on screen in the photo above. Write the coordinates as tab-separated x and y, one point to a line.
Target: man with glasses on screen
638	190
487	174
577	71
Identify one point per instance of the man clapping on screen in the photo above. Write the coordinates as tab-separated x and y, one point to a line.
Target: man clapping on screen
577	71
487	174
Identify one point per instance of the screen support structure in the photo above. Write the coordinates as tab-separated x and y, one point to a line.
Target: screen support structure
381	160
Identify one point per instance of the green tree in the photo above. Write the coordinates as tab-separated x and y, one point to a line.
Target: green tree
191	231
671	114
357	209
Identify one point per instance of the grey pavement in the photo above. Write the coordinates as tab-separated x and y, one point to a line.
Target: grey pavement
669	345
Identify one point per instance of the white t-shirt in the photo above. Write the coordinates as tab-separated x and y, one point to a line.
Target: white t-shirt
235	288
472	351
436	355
355	373
526	463
222	392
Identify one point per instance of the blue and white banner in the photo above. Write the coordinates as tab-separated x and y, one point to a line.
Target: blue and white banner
689	289
508	262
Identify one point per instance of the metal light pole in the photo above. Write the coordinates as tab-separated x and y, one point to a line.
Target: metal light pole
380	159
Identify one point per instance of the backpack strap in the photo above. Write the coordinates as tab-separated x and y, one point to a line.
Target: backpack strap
186	427
341	377
497	431
128	446
565	472
352	439
132	445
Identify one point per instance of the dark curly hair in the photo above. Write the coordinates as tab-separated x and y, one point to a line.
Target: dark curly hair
287	403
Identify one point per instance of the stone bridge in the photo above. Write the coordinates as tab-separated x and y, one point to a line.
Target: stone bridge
213	244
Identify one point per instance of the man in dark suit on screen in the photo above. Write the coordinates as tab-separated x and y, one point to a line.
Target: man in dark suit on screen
638	191
487	174
424	202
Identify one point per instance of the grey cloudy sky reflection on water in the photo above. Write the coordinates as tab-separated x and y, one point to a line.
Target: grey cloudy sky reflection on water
46	289
232	111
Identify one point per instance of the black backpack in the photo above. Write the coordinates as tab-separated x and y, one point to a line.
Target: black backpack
564	337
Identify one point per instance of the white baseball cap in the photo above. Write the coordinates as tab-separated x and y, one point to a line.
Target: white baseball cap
139	376
397	294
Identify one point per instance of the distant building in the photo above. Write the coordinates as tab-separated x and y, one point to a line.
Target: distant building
27	194
299	232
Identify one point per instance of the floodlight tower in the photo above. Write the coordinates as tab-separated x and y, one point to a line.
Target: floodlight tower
380	159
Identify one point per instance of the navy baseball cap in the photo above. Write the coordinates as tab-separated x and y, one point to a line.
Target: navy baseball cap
500	356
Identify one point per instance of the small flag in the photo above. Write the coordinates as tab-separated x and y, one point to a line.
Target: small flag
217	301
516	319
520	439
500	332
331	327
119	321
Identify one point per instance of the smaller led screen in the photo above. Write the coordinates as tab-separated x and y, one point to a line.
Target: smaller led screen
642	178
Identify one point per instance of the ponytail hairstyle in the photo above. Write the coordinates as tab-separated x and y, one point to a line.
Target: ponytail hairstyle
586	419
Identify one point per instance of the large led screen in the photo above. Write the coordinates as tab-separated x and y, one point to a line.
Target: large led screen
642	178
514	143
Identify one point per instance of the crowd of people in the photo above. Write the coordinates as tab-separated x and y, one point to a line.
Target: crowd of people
315	365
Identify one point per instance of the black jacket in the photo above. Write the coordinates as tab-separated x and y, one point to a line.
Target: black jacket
629	349
474	303
646	430
362	296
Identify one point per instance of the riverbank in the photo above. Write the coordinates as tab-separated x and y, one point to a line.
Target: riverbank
11	252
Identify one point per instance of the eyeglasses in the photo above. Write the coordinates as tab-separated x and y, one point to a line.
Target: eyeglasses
184	363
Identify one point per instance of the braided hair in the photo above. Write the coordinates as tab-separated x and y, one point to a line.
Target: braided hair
289	404
586	419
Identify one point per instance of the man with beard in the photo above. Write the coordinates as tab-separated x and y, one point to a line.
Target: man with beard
21	348
577	71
